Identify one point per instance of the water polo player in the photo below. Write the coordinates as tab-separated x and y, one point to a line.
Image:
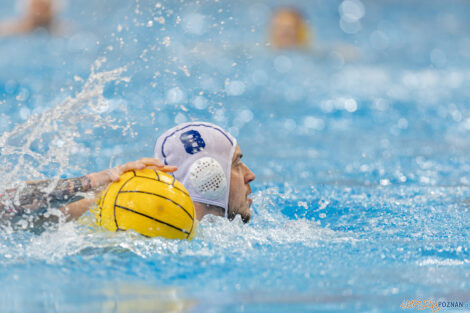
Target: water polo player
35	196
211	179
210	167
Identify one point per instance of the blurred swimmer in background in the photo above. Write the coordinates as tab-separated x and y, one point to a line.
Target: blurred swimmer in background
39	15
288	30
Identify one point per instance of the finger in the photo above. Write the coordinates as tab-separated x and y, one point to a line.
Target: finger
136	165
151	161
168	168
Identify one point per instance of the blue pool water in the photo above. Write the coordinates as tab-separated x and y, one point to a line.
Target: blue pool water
363	177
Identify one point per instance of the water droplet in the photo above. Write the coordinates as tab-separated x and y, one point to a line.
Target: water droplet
175	95
282	64
351	10
235	88
194	23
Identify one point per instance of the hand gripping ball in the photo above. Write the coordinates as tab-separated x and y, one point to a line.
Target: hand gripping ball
149	202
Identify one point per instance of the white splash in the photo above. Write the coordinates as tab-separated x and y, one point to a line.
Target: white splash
56	129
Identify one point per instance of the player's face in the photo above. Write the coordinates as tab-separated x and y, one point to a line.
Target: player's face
240	178
40	10
286	26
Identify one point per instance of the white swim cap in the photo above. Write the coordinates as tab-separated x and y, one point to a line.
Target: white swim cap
203	153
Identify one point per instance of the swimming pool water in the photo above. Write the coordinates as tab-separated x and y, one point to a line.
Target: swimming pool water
361	196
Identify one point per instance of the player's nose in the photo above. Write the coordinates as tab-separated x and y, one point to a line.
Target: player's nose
249	175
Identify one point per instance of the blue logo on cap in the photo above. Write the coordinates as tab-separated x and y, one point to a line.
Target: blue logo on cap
192	141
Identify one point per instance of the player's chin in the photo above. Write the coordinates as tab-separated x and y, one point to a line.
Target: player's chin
246	217
246	214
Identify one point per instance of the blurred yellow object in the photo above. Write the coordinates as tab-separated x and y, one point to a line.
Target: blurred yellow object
149	202
305	36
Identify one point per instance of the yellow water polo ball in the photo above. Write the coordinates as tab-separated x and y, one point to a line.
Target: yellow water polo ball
149	202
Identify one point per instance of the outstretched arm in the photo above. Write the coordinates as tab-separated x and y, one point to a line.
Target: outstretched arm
42	194
76	209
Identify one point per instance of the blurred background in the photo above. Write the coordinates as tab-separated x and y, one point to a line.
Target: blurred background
353	114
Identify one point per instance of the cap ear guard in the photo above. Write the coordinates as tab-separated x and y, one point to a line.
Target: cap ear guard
207	177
